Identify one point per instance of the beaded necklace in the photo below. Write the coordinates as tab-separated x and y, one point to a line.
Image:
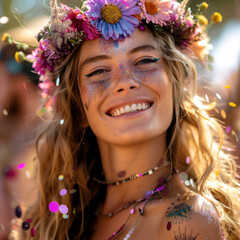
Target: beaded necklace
155	193
133	177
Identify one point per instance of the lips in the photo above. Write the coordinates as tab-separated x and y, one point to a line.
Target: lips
129	108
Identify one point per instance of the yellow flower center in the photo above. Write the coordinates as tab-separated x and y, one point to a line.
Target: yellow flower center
202	20
111	13
151	8
216	17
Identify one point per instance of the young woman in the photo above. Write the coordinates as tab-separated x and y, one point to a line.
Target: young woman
130	152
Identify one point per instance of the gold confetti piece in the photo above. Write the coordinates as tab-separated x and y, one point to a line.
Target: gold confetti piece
216	110
232	104
223	114
217	173
227	86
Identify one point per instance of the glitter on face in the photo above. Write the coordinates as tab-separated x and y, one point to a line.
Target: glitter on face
227	86
63	192
21	166
60	177
63	209
53	206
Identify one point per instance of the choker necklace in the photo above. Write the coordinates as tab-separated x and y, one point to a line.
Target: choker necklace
133	177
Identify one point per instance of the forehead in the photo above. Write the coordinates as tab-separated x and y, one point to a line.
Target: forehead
95	47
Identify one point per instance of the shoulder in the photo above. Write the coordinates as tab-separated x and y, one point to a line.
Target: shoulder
191	218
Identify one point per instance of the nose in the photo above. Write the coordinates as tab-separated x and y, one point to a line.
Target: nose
125	83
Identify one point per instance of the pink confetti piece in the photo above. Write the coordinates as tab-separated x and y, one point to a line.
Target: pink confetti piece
125	2
228	129
63	209
63	192
188	160
53	206
21	166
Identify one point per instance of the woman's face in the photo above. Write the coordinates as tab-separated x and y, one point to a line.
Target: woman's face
125	90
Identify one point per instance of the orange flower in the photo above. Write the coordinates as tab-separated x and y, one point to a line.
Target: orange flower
151	8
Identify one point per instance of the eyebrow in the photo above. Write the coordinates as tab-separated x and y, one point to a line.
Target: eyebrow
107	57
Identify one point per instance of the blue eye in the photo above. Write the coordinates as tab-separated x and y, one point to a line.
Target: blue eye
148	60
99	71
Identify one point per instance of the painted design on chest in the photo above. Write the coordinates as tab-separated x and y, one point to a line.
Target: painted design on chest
178	214
184	236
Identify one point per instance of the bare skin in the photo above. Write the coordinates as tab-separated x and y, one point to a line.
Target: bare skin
113	77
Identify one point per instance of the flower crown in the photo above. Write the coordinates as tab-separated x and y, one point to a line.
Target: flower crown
115	20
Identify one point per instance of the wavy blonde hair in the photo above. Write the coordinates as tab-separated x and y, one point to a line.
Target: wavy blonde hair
71	150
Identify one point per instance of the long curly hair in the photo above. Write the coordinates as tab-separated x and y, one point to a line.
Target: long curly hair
70	149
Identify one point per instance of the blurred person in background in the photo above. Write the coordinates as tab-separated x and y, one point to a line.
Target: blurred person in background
19	100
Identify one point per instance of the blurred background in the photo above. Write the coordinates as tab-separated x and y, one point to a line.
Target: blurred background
20	99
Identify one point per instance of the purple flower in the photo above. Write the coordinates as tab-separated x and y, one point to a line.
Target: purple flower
114	18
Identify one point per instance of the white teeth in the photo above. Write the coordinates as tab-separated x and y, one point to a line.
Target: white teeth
122	110
134	107
127	109
130	108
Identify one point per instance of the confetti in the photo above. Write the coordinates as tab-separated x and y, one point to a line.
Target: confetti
218	96
216	110
187	183
227	86
5	112
228	129
74	210
53	206
21	166
60	177
62	122
232	104
4	20
63	209
188	160
26	226
58	81
223	114
63	192
65	216
39	112
72	191
207	99
132	211
29	220
217	173
33	232
18	212
183	176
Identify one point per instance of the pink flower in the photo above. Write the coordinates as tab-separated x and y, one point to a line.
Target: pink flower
156	11
90	31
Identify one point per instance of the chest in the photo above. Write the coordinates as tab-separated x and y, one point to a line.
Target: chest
126	226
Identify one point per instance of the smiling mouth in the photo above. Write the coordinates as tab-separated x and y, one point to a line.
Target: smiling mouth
129	108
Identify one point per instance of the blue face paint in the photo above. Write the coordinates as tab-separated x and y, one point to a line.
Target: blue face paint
115	44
